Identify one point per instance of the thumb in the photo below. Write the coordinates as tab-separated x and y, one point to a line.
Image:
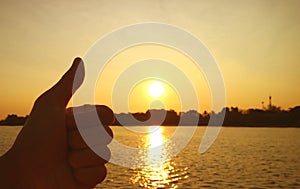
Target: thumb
63	90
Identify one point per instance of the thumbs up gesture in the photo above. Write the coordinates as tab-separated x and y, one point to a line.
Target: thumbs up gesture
49	151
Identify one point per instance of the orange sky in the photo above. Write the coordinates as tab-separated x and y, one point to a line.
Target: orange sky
256	44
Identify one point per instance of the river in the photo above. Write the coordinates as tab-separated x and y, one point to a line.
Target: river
239	158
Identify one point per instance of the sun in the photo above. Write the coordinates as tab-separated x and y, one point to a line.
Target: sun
156	89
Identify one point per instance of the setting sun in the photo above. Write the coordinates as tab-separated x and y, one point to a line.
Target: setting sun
155	89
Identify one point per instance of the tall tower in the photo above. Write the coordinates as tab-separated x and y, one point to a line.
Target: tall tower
263	105
270	102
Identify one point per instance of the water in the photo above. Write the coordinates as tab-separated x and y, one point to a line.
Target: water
239	158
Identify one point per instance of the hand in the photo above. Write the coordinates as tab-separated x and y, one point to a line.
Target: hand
49	152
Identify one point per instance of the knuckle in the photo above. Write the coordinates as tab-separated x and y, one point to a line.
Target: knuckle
75	140
103	153
72	161
105	114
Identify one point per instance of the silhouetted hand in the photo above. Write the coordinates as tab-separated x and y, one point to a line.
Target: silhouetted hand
49	152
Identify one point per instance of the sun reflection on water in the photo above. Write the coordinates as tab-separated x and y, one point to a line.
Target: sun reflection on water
159	171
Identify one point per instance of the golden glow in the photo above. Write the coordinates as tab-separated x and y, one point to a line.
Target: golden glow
253	42
139	98
160	171
157	152
155	89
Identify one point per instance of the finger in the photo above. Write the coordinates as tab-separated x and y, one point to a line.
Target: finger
75	140
95	136
63	90
85	115
90	176
87	157
51	104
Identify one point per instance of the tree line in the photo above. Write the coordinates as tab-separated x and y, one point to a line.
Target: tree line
234	116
